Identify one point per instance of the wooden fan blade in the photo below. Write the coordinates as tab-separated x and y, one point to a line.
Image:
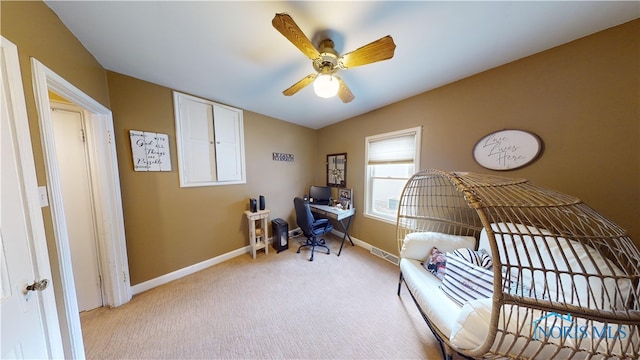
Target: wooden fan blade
343	92
381	49
300	84
287	27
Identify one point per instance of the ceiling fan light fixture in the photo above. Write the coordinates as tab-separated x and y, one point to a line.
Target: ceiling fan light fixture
326	86
326	61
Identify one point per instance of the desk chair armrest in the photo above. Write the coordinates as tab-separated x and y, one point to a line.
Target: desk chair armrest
320	223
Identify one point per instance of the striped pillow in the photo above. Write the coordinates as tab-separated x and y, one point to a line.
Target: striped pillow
479	258
465	281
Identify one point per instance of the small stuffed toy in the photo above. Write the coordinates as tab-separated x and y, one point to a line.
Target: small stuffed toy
437	263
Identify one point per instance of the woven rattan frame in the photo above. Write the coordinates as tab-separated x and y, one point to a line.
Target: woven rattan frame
604	323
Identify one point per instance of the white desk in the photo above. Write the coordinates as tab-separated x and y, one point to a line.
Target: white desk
336	214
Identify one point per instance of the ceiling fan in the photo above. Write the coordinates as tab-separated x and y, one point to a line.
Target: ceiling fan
326	60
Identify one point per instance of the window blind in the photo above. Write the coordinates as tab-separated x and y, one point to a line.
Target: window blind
395	150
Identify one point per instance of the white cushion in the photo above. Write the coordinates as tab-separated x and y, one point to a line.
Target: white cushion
563	255
438	307
472	326
418	245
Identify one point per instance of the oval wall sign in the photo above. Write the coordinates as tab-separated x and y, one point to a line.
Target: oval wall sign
507	149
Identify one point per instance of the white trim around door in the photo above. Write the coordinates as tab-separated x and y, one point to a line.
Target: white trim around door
105	181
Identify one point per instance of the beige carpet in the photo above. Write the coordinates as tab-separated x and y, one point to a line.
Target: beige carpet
278	306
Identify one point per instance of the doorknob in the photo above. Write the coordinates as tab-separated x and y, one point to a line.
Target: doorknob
37	285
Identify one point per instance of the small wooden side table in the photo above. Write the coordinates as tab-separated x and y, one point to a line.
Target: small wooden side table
258	237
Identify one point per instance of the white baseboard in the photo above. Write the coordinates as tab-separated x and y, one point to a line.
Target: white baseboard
356	241
160	280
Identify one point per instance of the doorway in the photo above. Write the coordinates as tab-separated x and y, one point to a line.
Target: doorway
106	192
73	159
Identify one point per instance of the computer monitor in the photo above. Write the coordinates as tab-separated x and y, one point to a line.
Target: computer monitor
319	195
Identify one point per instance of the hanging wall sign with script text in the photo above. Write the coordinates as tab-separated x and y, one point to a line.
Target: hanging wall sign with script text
507	149
150	151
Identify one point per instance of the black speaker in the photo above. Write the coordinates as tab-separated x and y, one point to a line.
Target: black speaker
262	205
253	205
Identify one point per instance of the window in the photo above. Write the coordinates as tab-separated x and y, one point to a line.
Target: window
391	159
210	142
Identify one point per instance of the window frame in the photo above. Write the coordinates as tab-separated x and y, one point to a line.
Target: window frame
368	203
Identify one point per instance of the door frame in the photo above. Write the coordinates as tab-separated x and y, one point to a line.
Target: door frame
38	243
106	184
56	105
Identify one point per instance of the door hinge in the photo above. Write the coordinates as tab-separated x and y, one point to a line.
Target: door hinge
124	277
82	135
108	137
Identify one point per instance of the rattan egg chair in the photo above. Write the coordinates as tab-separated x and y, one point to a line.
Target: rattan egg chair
565	279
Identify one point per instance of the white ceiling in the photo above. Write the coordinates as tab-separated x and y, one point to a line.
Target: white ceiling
230	53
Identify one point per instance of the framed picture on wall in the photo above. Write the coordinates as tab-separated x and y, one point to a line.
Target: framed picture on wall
337	170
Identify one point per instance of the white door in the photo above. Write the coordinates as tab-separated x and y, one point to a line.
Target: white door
24	314
77	198
228	147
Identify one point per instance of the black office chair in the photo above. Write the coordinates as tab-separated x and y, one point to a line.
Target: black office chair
311	228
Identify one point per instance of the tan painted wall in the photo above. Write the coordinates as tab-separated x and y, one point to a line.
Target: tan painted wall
37	32
582	99
168	227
